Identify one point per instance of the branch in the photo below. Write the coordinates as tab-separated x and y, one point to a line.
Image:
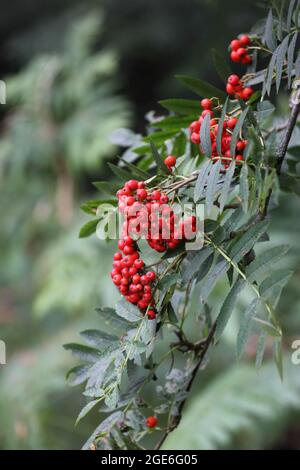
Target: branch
283	146
202	353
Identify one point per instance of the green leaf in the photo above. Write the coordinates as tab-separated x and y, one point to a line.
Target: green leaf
107	187
265	261
216	273
212	185
244	244
159	138
89	228
201	180
182	106
268	327
260	350
104	427
264	110
282	50
136	172
168	281
244	187
290	58
221	65
237	130
269	34
290	14
99	339
84	353
128	311
270	71
86	409
78	374
112	320
175	123
245	328
202	88
277	351
120	172
158	159
205	136
194	262
272	286
228	306
226	185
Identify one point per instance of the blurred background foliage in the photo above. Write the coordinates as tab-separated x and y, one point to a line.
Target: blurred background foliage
76	71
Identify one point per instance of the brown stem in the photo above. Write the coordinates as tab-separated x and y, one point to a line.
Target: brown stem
201	356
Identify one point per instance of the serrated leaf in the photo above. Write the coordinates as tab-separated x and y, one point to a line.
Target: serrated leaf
99	339
270	71
201	180
237	130
269	34
264	110
271	287
260	350
290	58
245	328
78	374
268	327
202	88
244	187
107	187
263	262
282	50
86	409
212	185
205	136
104	427
168	281
228	307
234	221
244	244
290	14
137	172
112	320
128	311
221	65
194	263
216	273
182	106
84	353
226	185
119	172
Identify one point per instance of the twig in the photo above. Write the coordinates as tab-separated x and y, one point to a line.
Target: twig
202	353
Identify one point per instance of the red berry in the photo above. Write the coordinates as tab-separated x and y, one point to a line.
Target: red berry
233	80
121	244
206	103
244	39
206	112
230	89
155	196
151	421
141	184
142	194
247	93
241	52
239	158
195	138
170	161
151	275
117	279
139	263
234	56
195	126
128	250
231	123
117	256
151	316
235	44
132	184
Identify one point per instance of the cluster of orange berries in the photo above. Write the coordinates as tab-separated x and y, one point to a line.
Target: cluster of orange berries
228	126
239	50
236	88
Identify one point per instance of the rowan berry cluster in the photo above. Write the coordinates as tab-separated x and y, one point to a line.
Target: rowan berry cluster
228	126
147	214
239	50
236	88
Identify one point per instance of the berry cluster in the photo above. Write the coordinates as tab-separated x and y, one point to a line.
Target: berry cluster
148	215
129	275
228	126
239	49
236	88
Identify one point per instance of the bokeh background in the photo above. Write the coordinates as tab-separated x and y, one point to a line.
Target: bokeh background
75	71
